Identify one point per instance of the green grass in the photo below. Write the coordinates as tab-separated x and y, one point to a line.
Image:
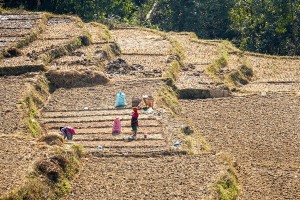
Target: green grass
33	189
215	68
177	49
246	71
31	114
173	70
241	76
227	186
31	103
236	78
167	97
62	187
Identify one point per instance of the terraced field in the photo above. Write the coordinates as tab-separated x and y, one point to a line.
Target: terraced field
199	55
147	50
274	74
257	126
15	27
262	133
91	112
175	177
12	90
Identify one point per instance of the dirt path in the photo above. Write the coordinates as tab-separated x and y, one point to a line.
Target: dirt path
262	133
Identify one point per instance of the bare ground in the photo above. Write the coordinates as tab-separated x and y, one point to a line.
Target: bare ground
17	155
174	177
262	133
12	90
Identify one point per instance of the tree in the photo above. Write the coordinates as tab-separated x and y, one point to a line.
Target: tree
208	18
267	26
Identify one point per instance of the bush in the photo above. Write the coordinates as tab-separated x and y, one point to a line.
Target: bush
246	71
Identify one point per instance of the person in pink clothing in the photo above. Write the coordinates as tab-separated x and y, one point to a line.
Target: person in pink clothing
134	123
117	129
67	132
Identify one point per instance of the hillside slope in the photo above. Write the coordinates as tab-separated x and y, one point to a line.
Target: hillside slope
240	110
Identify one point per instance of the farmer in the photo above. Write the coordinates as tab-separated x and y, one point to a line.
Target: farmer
67	132
134	123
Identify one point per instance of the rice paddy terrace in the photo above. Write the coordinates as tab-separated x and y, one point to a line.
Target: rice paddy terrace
241	110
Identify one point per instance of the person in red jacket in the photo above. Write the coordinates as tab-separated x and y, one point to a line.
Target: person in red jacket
134	123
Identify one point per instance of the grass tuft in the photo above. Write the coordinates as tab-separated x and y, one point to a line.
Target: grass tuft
33	189
215	69
227	186
168	98
31	115
246	71
235	78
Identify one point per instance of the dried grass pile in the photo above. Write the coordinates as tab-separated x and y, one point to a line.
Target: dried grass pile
74	78
52	140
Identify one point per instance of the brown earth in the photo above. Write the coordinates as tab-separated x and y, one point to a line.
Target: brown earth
12	89
17	155
174	177
262	133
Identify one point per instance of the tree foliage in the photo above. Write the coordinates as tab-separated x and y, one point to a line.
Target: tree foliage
266	26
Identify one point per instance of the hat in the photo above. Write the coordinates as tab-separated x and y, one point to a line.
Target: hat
135	109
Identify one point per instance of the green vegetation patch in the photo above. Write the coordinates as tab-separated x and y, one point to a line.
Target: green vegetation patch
236	77
32	189
103	31
173	70
241	76
31	103
227	186
215	69
31	115
246	71
168	98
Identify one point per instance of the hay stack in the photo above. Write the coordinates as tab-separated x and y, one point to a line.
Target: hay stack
74	78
